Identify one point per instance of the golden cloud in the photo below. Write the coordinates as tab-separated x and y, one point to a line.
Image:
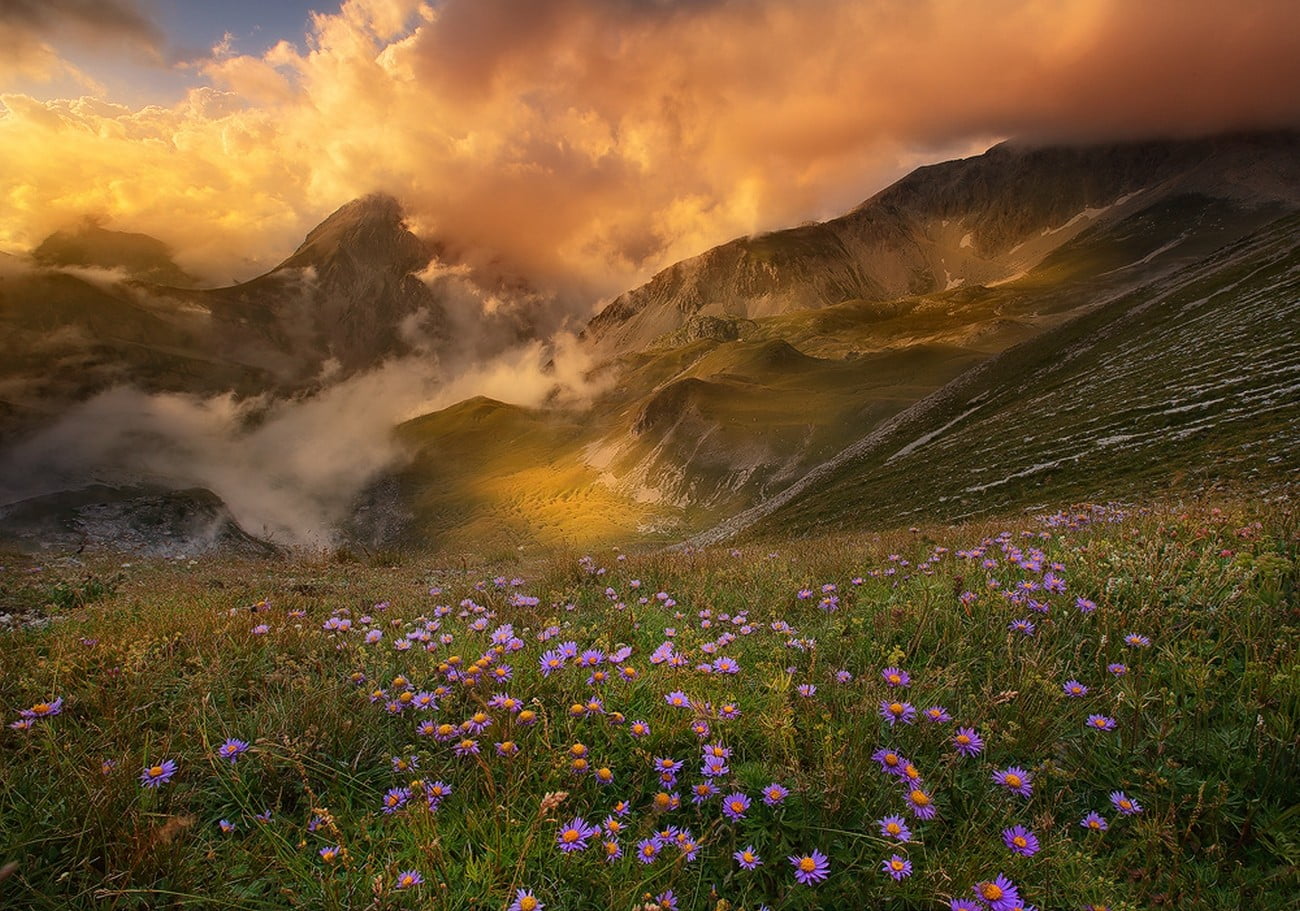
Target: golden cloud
590	143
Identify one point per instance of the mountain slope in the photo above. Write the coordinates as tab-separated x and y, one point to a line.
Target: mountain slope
980	220
1194	378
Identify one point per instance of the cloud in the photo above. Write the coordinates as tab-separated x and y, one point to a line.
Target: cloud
289	470
31	30
588	143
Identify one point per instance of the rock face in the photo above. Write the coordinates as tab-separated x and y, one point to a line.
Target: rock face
149	521
980	220
344	294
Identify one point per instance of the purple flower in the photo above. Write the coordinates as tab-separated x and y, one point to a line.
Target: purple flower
1125	804
330	853
894	676
1020	840
894	827
999	893
408	879
1094	822
43	709
155	776
890	760
573	836
774	794
1074	688
232	749
811	868
525	900
1016	780
897	867
807	690
1084	605
1119	670
647	850
897	711
1101	722
968	742
395	799
937	714
747	859
735	805
921	804
1133	640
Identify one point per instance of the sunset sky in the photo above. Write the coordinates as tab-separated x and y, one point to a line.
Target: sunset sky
585	143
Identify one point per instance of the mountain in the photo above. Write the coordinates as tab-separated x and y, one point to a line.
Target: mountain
343	296
983	220
136	256
999	332
1182	384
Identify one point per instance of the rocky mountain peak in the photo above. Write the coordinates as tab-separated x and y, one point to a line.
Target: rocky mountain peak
368	233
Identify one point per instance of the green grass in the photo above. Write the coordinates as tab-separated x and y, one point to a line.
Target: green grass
164	665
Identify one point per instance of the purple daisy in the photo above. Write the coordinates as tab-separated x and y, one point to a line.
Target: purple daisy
1000	894
897	867
574	835
968	742
894	712
937	714
1016	780
811	868
894	827
735	805
155	776
894	676
1125	804
774	794
921	804
1074	688
232	749
747	859
1020	840
525	900
1101	723
408	879
647	850
1094	822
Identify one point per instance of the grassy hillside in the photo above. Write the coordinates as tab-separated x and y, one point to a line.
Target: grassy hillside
1139	664
1189	382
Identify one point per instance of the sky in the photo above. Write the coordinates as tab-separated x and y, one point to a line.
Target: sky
584	144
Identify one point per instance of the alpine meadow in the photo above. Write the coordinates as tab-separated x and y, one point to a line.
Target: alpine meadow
650	455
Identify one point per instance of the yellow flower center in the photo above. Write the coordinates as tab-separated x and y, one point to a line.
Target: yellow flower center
920	798
570	836
41	708
807	864
991	891
155	771
1126	804
527	903
893	828
648	850
896	864
748	856
479	717
737	806
1013	780
896	708
963	739
1020	841
895	679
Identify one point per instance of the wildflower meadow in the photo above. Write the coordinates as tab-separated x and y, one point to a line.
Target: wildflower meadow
1094	708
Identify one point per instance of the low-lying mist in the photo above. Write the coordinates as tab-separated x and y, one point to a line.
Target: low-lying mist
288	469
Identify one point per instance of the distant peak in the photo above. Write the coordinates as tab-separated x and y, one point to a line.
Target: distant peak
90	244
371	229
